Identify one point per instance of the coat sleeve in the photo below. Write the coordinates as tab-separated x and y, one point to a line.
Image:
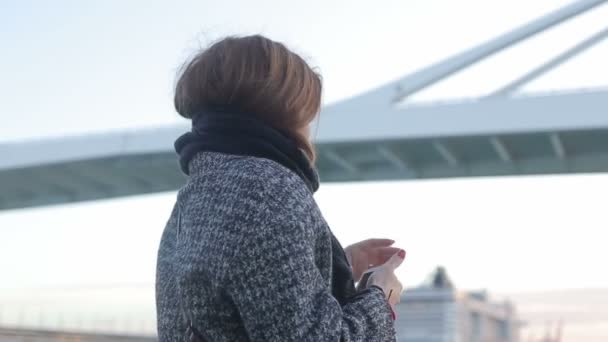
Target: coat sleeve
279	291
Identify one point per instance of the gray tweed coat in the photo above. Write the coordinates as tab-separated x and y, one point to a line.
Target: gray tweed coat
247	254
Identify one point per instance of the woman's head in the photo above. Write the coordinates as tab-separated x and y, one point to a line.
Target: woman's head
253	75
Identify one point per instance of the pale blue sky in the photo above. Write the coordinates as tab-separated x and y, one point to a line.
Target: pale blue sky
72	67
75	66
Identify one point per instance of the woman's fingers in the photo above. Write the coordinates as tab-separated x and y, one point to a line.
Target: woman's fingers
386	252
377	242
396	260
381	255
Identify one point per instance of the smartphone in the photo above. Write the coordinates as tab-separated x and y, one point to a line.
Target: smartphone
362	285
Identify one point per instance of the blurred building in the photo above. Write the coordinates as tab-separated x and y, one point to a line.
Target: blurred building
32	335
437	312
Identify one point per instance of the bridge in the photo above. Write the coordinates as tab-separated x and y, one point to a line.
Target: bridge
377	135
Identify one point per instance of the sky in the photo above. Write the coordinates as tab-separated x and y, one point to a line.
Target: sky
71	67
76	67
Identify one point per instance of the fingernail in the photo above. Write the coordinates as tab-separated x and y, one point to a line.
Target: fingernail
393	314
402	254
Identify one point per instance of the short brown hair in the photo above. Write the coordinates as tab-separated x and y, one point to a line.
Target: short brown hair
254	75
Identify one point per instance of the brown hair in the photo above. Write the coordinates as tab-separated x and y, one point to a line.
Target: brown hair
253	75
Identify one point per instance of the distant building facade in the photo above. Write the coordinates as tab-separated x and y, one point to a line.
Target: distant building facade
437	312
434	312
30	335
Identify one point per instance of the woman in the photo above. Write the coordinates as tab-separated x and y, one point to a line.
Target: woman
246	254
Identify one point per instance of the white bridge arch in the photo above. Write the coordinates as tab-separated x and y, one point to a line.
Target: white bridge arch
499	134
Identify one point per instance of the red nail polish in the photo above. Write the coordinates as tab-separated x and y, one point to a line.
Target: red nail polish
402	254
393	314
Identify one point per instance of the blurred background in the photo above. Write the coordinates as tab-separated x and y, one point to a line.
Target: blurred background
474	133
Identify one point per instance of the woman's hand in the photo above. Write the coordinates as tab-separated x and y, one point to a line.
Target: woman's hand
384	277
369	253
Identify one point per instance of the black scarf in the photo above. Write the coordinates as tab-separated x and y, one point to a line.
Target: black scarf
240	134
